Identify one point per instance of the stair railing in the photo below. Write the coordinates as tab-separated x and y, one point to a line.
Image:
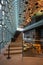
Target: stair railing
8	52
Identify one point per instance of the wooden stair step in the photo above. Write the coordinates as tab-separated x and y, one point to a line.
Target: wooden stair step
13	52
15	45
15	48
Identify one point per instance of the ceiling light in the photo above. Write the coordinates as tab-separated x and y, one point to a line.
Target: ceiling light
28	8
41	10
36	3
2	1
0	6
3	12
0	25
37	7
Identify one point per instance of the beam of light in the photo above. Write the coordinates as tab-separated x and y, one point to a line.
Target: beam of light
20	29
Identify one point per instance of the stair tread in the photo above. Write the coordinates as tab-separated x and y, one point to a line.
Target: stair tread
13	52
16	45
15	48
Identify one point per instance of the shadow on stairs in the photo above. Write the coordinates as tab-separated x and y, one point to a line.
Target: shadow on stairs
15	46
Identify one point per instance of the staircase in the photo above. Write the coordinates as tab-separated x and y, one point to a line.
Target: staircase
15	47
16	35
13	50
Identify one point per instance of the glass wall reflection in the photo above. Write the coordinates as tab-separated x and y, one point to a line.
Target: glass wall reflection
33	42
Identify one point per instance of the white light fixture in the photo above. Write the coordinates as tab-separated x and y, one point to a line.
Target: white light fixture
20	29
6	2
3	13
2	1
0	25
3	23
0	6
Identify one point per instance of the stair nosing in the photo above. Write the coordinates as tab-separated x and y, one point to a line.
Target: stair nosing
13	49
12	53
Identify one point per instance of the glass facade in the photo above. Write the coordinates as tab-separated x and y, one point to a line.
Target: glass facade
25	15
7	22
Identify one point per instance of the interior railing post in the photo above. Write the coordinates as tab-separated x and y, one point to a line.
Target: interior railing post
8	52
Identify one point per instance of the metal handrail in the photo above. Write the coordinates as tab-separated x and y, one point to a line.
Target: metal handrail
8	52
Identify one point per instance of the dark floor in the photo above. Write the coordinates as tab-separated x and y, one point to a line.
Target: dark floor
30	53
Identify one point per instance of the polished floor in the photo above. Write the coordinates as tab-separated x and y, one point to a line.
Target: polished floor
19	60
